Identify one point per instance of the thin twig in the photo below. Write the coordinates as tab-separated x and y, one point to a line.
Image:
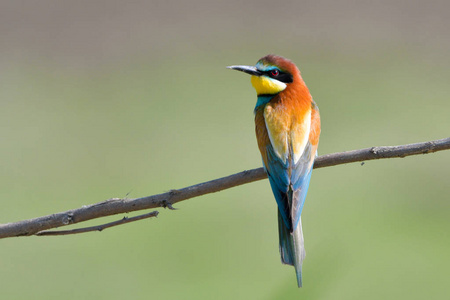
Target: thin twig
124	220
117	205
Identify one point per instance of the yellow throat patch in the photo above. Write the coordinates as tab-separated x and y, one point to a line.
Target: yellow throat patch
265	85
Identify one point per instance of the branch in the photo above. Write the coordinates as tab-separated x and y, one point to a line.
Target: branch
124	220
116	205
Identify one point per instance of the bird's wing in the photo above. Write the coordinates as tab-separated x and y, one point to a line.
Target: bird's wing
300	177
302	168
278	174
290	190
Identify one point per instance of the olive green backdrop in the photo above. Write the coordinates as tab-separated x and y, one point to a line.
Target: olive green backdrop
102	99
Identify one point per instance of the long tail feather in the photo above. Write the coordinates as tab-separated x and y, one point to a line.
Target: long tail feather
292	248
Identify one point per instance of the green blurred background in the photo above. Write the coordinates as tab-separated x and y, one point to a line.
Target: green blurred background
104	99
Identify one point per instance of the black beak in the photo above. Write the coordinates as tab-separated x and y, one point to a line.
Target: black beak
246	69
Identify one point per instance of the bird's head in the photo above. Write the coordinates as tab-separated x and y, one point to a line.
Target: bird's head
271	75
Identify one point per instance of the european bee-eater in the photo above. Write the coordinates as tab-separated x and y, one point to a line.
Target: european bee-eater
287	130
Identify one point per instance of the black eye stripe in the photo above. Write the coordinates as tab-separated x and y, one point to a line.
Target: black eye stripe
282	76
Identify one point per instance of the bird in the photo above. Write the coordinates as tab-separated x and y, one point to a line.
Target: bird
287	126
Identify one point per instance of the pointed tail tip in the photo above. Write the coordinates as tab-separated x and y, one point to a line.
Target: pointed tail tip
299	277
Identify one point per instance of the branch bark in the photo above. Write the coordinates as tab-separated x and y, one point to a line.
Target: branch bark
117	205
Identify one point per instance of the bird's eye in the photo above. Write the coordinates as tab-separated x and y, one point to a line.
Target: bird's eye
274	72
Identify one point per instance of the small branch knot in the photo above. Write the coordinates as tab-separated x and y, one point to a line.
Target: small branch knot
374	150
167	204
67	219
